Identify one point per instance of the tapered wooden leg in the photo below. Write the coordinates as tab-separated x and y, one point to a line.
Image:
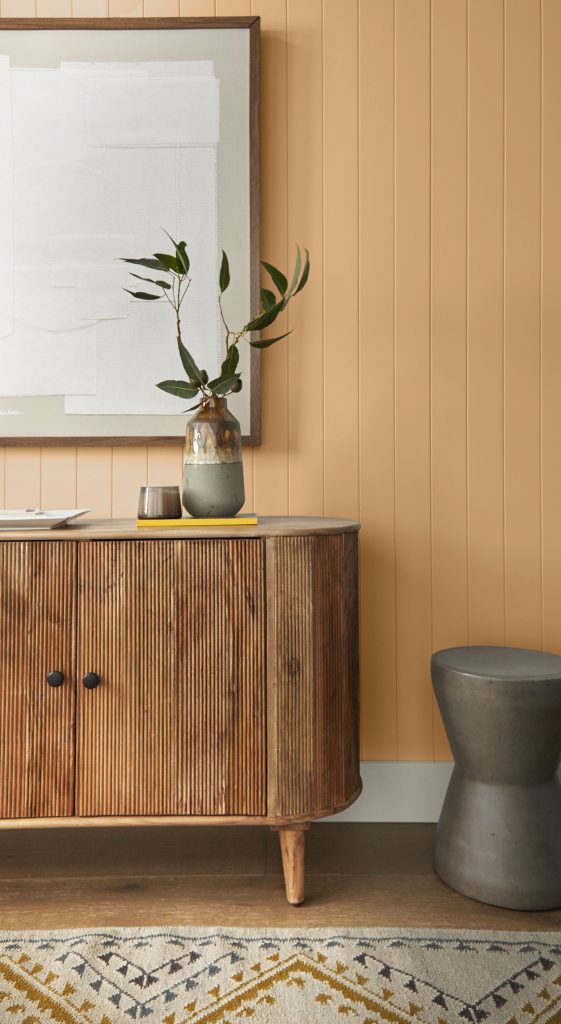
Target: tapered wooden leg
292	849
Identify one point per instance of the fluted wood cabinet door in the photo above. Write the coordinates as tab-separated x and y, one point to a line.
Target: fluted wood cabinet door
312	659
175	632
37	637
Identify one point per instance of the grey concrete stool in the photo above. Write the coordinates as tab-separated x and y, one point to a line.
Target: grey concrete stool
499	835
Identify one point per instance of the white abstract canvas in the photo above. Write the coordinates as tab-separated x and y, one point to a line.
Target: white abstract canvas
95	160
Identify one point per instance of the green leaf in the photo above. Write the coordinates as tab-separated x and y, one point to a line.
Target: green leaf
231	361
150	264
169	261
179	388
278	278
189	364
162	284
224	278
305	273
192	408
267	318
266	342
296	273
268	299
143	295
181	250
221	385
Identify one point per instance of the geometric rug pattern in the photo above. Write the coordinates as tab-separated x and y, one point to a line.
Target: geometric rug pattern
219	975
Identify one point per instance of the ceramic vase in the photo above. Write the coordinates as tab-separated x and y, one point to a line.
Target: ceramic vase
212	465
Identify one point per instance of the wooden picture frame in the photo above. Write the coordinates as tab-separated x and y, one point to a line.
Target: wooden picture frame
99	38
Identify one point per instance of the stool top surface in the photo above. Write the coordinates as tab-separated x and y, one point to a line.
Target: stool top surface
500	663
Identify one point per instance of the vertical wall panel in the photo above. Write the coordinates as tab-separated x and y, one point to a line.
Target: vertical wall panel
249	504
54	9
305	226
551	324
130	470
376	396
93	481
412	327
18	8
165	466
485	322
161	8
340	271
271	459
125	8
90	8
232	8
197	8
23	478
58	477
522	324
449	445
448	332
2	477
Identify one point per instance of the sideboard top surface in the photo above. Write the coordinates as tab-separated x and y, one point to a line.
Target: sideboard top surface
126	529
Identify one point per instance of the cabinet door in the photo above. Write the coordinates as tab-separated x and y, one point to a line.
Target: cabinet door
37	637
175	632
312	659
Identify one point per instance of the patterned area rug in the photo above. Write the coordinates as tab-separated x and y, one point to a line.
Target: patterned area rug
278	976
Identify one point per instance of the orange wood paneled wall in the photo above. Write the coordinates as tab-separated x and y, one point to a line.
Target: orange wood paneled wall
414	147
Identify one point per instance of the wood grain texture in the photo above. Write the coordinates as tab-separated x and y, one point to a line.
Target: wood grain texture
37	636
125	735
312	672
221	677
175	632
126	529
292	845
357	874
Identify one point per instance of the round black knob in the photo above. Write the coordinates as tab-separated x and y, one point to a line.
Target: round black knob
90	680
55	678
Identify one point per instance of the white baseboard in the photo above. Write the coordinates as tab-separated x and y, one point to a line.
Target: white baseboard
399	791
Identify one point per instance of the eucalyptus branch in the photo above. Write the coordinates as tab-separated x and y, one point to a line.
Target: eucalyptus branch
174	289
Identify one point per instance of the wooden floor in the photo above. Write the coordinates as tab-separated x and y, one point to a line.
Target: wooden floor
357	874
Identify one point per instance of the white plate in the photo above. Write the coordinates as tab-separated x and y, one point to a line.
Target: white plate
38	519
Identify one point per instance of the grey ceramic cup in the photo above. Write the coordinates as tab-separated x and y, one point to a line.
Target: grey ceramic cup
159	503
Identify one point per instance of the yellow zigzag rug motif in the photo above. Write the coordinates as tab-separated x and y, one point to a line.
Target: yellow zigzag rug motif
235	976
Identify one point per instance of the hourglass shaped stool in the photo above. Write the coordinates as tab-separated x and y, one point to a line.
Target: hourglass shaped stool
499	835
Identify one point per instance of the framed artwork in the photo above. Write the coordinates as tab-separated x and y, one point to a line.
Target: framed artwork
113	131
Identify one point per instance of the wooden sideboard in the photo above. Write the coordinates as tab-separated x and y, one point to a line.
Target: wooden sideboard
190	676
